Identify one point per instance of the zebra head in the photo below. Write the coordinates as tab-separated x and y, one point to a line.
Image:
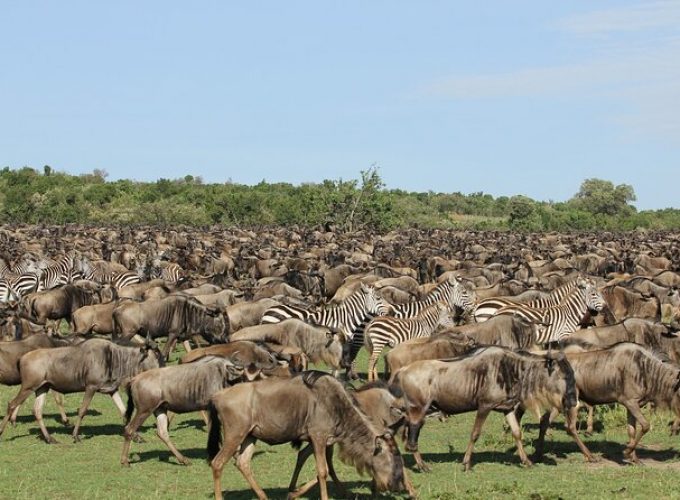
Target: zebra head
460	296
373	302
593	298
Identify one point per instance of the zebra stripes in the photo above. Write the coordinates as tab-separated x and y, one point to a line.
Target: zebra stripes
61	273
19	282
117	280
563	319
346	317
488	308
452	292
388	330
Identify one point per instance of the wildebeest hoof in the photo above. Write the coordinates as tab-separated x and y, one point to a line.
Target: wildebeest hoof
423	468
51	440
588	433
76	439
527	463
138	439
467	467
184	461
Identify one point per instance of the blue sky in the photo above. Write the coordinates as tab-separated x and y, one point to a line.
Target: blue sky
522	97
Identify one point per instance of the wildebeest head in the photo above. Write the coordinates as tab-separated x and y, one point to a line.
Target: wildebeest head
556	387
152	357
216	326
387	466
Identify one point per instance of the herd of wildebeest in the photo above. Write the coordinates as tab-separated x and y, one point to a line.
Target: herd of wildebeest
476	321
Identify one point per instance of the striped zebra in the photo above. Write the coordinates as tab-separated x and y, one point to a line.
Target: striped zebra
6	292
563	319
167	271
488	308
61	273
451	291
346	317
388	330
18	282
116	279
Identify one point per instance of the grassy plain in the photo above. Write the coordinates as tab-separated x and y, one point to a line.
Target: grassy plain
29	468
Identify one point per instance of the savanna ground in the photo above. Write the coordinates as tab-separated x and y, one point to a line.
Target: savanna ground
31	469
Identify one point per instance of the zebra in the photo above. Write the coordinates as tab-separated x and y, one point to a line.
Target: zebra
487	308
563	319
451	291
167	271
18	282
116	279
388	330
346	317
61	273
6	292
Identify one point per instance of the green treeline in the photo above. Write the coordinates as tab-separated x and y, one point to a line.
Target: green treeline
30	196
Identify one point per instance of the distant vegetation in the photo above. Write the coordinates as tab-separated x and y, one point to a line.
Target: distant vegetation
30	196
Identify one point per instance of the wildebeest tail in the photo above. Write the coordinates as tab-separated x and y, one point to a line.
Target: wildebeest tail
215	432
130	404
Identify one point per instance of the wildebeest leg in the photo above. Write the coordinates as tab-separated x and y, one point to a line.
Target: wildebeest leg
130	432
517	434
87	399
319	444
40	395
303	455
59	400
543	428
476	430
118	401
187	346
243	465
162	432
13	407
571	417
413	432
169	346
634	414
233	437
589	420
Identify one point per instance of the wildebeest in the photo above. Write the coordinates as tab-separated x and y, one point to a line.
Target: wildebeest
59	303
246	314
631	375
625	303
11	352
97	318
487	379
312	407
243	352
178	388
447	344
319	343
383	406
175	316
95	365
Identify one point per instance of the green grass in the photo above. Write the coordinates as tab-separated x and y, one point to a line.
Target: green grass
29	468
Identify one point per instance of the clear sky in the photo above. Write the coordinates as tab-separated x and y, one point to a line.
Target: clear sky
521	97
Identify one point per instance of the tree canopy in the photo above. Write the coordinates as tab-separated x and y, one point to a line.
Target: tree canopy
48	196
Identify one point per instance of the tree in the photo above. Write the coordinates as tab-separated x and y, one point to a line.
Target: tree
598	196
